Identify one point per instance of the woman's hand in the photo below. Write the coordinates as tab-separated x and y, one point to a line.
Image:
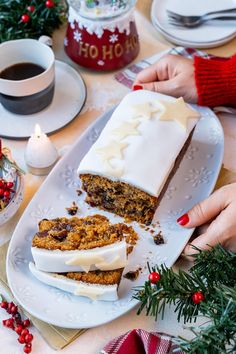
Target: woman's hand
219	210
172	75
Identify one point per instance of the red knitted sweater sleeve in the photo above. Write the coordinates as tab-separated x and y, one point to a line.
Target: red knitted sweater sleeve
216	81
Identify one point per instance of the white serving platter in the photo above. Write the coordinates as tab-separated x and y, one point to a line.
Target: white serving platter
68	100
193	182
210	34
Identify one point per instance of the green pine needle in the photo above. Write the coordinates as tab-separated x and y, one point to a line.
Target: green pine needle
43	21
213	274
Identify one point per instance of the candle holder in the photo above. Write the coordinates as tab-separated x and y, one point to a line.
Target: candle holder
40	155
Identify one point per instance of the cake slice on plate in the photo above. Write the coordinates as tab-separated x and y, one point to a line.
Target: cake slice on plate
129	167
96	285
81	244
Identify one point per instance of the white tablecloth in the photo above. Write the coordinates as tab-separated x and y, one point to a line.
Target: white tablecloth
100	97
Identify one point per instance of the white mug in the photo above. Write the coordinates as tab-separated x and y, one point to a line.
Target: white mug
33	94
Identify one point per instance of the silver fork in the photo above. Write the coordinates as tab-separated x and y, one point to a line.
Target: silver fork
195	21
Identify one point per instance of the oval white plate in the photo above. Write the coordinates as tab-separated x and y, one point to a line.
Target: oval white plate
68	100
205	36
193	181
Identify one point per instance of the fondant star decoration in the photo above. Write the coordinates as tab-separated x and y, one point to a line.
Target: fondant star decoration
144	110
179	111
112	150
114	171
126	129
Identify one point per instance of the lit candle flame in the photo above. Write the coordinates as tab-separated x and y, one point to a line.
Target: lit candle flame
37	130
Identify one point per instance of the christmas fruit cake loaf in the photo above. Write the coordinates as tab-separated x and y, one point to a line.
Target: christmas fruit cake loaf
97	285
81	244
128	168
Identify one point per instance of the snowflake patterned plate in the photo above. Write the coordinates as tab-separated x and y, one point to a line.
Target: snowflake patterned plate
194	180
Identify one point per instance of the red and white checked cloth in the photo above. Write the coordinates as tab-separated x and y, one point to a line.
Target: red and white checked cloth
139	341
127	76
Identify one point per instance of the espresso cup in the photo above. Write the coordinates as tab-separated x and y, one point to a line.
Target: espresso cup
33	94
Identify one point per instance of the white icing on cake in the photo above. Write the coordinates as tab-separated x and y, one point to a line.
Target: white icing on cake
79	288
148	158
109	257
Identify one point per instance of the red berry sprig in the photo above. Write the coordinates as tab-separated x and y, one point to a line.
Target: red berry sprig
6	191
25	18
49	4
197	297
154	277
16	324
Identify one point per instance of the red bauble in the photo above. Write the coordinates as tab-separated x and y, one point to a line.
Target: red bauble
25	18
49	4
197	297
31	8
154	277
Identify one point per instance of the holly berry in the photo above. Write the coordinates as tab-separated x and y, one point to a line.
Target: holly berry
2	190
19	329
26	323
9	323
154	277
2	183
25	337
25	18
27	348
28	338
31	8
13	310
9	185
4	304
49	4
21	339
197	297
25	332
10	305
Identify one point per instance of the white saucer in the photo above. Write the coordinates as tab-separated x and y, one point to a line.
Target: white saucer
68	100
206	36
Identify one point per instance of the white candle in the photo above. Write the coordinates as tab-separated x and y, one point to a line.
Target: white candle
40	154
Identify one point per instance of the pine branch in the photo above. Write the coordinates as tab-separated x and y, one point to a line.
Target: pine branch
213	275
172	288
220	335
43	20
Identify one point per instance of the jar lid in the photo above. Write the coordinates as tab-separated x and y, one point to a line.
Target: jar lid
101	9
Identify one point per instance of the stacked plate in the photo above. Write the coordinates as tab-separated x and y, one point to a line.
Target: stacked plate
210	34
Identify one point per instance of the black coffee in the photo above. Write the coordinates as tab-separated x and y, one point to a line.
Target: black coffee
21	71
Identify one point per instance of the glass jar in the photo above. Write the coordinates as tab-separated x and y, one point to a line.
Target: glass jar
102	34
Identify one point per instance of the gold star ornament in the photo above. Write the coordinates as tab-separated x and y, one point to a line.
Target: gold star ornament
179	111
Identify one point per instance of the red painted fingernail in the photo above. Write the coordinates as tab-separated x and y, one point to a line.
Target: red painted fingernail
137	87
183	220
